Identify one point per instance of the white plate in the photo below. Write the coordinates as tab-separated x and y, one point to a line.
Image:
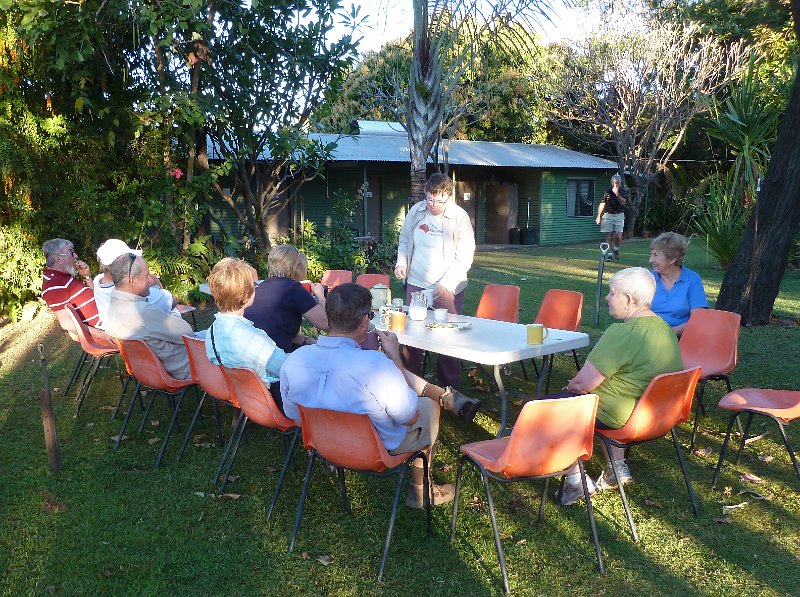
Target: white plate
448	326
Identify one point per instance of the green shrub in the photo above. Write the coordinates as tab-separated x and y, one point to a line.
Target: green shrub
20	270
182	274
721	220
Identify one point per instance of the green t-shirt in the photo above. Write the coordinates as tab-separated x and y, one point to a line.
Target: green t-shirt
630	355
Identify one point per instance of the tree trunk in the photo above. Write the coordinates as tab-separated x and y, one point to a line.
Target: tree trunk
753	279
635	195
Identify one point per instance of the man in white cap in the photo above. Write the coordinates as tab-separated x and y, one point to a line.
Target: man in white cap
104	284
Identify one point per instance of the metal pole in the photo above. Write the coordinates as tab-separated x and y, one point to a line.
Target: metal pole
48	418
600	267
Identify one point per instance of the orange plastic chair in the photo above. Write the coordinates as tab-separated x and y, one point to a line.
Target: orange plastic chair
211	379
499	302
334	277
665	403
369	280
549	437
560	310
782	406
146	367
350	441
257	405
92	347
710	341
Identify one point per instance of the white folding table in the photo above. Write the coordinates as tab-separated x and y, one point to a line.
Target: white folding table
491	343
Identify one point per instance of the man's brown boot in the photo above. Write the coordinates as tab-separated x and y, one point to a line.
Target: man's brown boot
440	494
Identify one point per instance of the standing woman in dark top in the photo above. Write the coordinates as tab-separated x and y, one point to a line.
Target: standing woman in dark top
281	302
611	214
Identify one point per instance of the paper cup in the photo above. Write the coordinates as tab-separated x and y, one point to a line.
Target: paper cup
440	314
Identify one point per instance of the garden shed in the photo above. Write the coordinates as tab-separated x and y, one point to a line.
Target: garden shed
513	192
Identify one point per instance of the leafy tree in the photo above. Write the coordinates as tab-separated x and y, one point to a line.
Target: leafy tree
448	35
636	92
497	99
752	281
271	66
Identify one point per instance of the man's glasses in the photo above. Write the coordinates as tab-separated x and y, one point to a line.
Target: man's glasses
132	257
71	253
432	201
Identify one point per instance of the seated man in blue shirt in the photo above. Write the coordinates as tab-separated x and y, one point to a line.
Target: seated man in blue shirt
232	340
336	374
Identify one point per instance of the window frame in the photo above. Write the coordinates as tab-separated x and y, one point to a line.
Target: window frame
577	180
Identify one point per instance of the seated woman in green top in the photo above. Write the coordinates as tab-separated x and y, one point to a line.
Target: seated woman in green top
621	365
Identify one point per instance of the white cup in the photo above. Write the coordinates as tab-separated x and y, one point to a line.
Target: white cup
440	314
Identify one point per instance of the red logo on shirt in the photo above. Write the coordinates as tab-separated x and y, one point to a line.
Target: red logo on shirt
424	228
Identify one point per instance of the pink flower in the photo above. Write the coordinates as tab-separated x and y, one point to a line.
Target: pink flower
176	173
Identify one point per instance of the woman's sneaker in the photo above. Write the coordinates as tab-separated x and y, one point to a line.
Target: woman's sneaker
607	481
570	494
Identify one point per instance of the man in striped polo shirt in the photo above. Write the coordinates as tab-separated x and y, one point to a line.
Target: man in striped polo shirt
61	286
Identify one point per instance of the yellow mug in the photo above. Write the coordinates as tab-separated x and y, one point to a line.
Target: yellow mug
537	333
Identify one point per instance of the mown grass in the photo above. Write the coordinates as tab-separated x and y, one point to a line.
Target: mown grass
109	524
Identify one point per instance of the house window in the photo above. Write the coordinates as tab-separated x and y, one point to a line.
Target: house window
580	198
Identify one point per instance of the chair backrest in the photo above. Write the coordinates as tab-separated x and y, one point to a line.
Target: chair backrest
549	436
205	373
561	310
94	346
369	280
146	367
255	399
333	277
711	340
499	302
665	402
347	439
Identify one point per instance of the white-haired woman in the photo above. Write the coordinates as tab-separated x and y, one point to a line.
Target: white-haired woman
619	367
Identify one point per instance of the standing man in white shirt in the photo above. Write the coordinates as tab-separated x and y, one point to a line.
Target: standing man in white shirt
436	248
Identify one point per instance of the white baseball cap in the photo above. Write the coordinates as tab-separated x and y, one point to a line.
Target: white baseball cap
113	248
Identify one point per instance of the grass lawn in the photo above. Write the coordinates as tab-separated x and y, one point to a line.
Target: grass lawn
109	524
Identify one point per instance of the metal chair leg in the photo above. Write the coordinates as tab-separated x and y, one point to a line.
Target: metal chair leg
191	426
733	418
745	435
121	396
590	512
343	490
685	473
454	515
224	459
282	476
311	457
622	495
501	558
147	409
789	448
87	382
172	424
127	415
696	423
392	517
77	370
540	517
239	437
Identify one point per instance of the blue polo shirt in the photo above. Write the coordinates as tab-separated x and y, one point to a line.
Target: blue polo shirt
674	306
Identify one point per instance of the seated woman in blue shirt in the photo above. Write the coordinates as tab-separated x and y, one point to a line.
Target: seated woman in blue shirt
232	340
679	290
